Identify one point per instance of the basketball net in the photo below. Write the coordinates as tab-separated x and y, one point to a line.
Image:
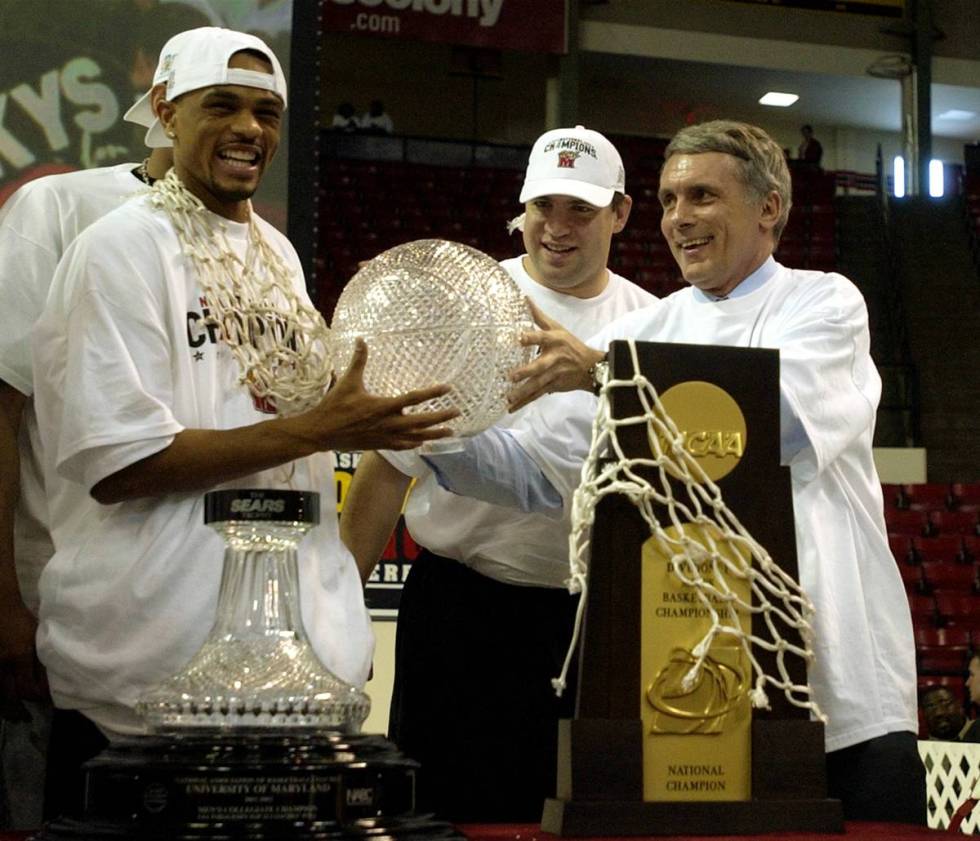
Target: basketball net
280	342
698	532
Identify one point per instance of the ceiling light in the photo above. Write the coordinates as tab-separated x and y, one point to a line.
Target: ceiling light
780	100
898	177
936	179
956	114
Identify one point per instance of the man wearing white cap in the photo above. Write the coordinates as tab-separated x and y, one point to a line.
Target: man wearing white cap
483	618
147	397
37	223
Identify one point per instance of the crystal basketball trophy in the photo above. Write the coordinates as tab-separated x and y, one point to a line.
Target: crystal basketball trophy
255	738
433	311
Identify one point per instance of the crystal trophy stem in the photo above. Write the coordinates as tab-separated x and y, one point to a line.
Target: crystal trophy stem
257	669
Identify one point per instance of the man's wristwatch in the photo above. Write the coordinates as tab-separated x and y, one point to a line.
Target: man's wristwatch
598	374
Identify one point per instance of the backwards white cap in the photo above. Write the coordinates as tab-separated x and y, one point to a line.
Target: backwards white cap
198	58
575	162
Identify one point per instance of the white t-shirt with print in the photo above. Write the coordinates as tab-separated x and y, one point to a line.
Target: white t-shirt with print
122	363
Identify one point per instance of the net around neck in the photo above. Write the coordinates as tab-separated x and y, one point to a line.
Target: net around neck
281	343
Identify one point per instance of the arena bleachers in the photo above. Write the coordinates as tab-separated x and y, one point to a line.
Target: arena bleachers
933	535
366	206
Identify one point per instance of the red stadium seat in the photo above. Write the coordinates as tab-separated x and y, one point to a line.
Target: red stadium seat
905	522
923	609
957	609
892	495
971	547
943	661
902	549
937	575
929	637
947	548
926	497
911	578
965	495
953	522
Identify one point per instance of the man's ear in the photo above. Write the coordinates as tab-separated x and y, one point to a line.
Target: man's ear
622	214
163	108
772	207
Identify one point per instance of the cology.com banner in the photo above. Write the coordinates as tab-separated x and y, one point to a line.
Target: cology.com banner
528	25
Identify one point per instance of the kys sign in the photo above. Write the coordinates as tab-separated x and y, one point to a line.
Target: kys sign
498	24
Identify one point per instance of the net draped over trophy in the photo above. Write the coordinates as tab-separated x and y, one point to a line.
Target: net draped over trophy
707	548
433	311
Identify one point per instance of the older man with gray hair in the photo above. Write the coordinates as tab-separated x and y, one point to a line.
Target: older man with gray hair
725	191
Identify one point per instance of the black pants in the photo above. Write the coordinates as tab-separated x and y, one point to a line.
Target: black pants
472	699
74	741
882	779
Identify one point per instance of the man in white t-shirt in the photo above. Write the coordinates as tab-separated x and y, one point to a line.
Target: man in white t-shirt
144	402
483	616
37	223
725	191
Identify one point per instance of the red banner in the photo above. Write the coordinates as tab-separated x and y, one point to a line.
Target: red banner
528	25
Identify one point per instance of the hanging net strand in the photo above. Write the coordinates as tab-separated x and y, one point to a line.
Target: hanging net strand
699	534
280	342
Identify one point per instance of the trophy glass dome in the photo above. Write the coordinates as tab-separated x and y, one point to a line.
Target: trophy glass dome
433	311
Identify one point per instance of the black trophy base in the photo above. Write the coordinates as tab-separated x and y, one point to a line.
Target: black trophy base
597	817
249	787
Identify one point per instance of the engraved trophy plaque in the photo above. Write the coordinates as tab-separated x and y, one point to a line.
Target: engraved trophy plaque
255	738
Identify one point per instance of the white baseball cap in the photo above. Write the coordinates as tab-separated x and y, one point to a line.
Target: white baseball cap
575	162
198	58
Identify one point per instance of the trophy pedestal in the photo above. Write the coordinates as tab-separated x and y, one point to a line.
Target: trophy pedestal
249	786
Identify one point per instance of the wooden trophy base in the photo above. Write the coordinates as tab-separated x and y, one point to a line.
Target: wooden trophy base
600	785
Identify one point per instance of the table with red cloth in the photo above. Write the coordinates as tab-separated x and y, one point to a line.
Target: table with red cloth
853	830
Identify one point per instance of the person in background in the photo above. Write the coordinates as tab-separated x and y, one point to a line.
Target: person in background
37	223
376	120
810	150
345	119
945	719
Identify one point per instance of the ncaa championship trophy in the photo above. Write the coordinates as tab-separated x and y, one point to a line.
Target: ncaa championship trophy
255	738
693	712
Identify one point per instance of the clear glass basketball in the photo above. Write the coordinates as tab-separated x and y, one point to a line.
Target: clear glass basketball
434	311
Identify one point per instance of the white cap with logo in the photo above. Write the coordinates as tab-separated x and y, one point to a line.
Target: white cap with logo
198	58
575	162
